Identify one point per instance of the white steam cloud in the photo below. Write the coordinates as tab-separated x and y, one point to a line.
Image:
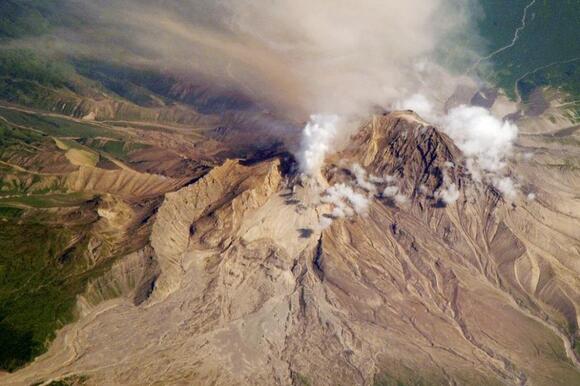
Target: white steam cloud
361	178
481	136
393	193
354	196
449	194
318	137
346	201
419	104
390	191
506	186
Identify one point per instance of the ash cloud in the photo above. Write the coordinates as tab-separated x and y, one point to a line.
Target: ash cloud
293	58
298	57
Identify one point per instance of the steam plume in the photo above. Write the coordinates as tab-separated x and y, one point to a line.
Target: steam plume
481	136
317	139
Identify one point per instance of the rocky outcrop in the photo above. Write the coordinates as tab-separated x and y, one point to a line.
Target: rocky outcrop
193	212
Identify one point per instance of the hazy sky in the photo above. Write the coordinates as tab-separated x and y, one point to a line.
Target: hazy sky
300	56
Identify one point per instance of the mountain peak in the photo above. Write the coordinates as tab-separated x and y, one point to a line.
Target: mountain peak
401	146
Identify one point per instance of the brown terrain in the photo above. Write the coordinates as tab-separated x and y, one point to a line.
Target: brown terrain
223	274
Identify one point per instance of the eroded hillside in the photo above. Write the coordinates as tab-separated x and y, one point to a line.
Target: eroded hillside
248	277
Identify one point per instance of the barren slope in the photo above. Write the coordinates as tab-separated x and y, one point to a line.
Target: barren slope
252	290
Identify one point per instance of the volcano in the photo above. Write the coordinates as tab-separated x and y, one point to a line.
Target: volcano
248	277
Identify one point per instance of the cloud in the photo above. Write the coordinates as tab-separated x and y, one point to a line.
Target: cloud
376	179
393	193
400	198
325	222
349	198
486	141
506	186
449	194
347	56
481	136
361	178
390	191
419	104
346	201
317	139
291	58
353	197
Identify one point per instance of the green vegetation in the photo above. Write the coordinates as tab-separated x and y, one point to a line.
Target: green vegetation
139	85
37	289
302	380
576	348
118	149
55	126
545	53
10	213
25	64
20	18
43	264
10	135
55	200
42	73
16	186
387	380
42	270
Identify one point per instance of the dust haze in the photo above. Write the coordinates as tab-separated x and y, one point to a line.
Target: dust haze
300	57
334	60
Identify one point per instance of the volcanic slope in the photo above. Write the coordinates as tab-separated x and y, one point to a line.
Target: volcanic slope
260	283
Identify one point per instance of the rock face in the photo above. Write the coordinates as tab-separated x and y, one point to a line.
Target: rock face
252	290
207	213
